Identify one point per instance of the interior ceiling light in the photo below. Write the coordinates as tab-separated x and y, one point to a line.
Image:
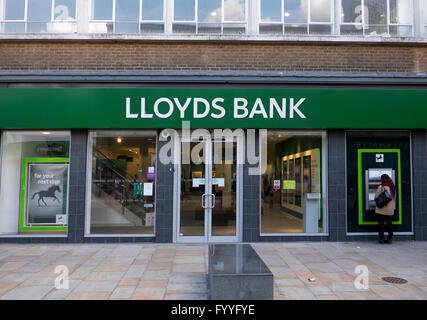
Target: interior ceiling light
45	132
119	140
213	13
287	14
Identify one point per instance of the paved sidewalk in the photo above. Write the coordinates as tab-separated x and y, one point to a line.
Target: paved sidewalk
178	271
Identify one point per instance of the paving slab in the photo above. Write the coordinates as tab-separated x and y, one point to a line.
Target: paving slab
27	293
96	286
88	296
123	293
148	294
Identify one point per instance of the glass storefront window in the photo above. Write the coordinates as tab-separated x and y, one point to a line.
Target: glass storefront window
371	154
292	185
121	187
34	182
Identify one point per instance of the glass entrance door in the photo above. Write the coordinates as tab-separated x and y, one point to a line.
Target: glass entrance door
209	191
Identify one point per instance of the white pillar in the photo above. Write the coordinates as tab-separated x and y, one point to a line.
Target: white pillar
337	18
2	10
418	18
168	16
253	16
83	16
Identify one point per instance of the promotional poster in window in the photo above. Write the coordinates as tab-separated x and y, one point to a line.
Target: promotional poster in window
46	194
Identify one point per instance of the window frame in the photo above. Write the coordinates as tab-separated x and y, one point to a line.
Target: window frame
365	26
3	150
26	22
307	24
424	18
140	20
88	202
223	22
324	198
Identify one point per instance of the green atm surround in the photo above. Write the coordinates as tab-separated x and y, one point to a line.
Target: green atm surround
23	196
362	144
361	182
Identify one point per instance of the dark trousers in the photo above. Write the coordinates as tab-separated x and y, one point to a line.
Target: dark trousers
388	219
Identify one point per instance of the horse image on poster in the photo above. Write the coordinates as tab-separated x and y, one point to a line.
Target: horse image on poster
49	193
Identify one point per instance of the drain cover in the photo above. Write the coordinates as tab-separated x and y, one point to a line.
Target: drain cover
394	280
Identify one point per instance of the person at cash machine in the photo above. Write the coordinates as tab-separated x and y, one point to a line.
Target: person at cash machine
385	214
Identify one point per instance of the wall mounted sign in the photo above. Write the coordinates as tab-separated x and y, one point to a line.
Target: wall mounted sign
104	108
220	182
379	157
148	189
137	188
151	173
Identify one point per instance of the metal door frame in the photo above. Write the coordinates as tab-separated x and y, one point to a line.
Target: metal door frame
208	237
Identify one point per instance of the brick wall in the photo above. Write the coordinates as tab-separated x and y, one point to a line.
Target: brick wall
75	55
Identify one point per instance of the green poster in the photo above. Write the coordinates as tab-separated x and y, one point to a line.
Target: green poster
137	189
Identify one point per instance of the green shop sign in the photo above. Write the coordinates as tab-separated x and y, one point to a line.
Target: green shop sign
105	108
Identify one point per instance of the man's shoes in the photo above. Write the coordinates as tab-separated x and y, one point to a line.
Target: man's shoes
389	241
381	241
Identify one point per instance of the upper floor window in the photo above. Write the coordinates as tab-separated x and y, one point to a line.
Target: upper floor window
127	16
210	16
376	18
296	17
425	18
39	16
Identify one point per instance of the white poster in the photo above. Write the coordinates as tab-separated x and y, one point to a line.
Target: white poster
46	193
198	181
218	181
148	189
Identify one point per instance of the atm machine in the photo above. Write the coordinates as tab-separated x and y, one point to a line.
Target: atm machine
372	181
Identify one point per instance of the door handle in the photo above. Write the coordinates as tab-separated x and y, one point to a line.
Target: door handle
203	201
213	200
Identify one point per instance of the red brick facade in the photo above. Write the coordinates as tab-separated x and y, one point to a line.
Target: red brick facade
274	56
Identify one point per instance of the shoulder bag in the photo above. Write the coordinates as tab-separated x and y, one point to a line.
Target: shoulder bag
383	199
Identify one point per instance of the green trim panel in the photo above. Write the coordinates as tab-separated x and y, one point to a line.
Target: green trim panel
135	108
360	184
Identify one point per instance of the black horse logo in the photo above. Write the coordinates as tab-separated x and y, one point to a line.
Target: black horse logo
50	193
